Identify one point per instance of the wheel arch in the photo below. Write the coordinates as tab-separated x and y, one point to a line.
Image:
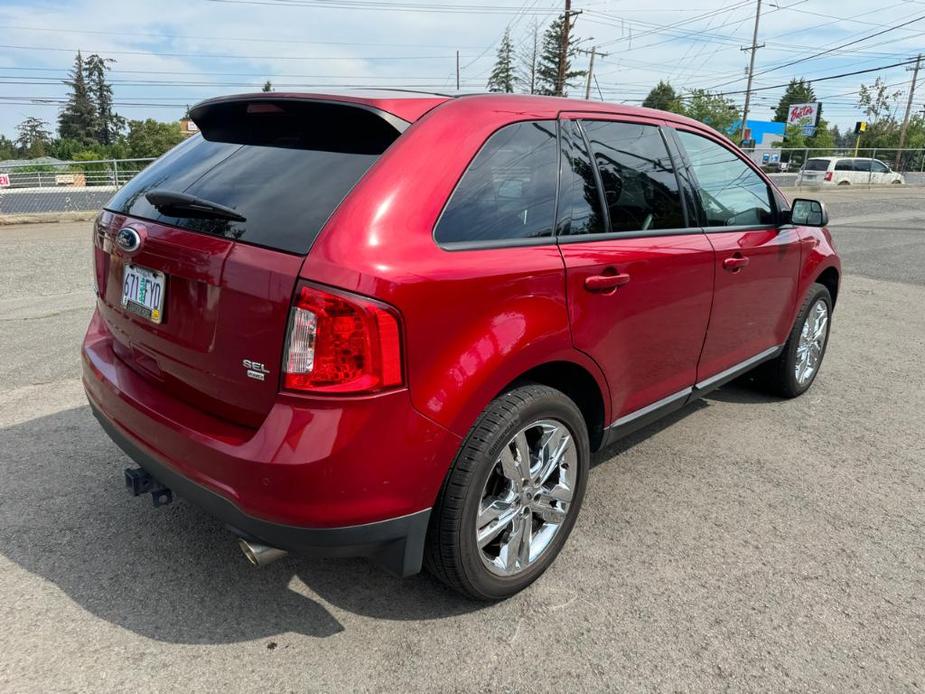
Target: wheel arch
829	278
579	384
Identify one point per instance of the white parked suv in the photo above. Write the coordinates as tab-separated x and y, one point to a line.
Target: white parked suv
843	171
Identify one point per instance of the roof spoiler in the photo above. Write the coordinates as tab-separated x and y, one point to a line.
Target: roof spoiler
301	122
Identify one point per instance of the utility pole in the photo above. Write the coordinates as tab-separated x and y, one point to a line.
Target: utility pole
590	73
751	70
593	53
902	133
563	49
457	70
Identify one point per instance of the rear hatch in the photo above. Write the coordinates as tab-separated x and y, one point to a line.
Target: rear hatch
224	221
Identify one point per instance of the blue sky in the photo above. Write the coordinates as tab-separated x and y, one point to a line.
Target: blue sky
171	53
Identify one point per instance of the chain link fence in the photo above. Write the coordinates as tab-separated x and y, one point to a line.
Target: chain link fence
53	188
49	188
841	166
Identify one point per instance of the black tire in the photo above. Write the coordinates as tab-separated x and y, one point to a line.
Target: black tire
778	375
452	554
844	183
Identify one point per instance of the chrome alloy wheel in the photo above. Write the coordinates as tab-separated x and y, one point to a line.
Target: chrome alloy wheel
527	497
813	335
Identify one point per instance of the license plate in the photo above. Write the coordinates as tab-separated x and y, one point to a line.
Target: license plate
143	292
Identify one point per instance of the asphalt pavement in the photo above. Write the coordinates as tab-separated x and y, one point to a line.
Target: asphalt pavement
744	544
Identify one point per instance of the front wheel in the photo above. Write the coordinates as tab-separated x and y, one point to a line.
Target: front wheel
512	496
794	370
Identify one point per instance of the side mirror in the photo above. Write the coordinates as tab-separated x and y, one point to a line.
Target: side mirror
809	213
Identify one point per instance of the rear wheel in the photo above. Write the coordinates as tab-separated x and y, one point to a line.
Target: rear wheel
511	498
794	370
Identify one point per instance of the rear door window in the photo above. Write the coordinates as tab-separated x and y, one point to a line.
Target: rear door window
580	210
285	166
638	178
508	192
731	192
844	165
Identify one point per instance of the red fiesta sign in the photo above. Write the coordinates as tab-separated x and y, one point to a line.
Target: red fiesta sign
803	114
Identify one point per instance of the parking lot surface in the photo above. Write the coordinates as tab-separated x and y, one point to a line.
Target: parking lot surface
745	544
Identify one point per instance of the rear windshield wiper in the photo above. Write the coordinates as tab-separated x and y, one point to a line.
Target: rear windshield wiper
168	201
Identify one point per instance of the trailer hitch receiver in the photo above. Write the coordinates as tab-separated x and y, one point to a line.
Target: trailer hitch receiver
139	482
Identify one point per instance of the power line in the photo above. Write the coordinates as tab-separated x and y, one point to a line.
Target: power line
372	5
234	57
825	52
225	39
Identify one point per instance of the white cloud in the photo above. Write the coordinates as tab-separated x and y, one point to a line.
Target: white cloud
701	53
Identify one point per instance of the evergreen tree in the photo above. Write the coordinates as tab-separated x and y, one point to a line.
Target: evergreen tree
78	120
502	75
267	87
108	123
663	97
551	60
33	137
799	91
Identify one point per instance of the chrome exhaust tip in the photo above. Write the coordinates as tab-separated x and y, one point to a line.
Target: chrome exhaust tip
260	555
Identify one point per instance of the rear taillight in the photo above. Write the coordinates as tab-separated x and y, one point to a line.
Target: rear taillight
341	343
828	176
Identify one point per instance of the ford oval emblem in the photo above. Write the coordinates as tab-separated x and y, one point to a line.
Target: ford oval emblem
128	239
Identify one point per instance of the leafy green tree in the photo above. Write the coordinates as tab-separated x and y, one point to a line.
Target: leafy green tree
502	76
880	107
799	91
151	138
822	139
7	148
267	87
664	98
552	62
78	120
33	137
109	124
717	111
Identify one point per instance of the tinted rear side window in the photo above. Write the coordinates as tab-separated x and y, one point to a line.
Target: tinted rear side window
508	191
844	165
816	165
284	166
640	185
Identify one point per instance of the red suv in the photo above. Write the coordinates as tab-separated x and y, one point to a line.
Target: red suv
397	325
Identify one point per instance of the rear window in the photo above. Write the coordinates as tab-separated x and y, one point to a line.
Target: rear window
283	165
816	165
844	165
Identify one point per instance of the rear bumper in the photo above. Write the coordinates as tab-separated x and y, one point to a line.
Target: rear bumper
333	476
396	544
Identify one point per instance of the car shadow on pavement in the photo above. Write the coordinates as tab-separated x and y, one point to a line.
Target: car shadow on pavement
742	390
628	442
173	574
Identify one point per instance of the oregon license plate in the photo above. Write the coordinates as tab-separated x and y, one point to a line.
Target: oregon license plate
143	292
